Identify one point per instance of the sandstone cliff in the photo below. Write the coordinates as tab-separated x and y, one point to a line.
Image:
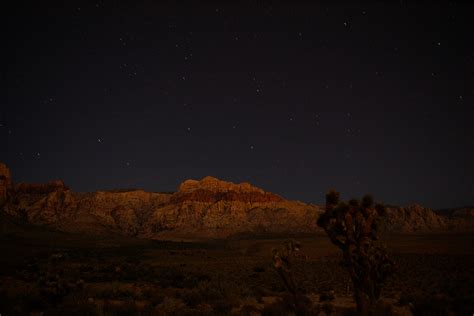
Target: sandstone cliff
208	208
5	184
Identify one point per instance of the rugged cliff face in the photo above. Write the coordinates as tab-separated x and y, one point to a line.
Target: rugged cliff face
209	208
414	218
5	184
215	208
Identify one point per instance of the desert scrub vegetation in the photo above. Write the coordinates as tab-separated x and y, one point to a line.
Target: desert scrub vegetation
353	228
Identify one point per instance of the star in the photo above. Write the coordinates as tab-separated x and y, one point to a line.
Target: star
99	140
251	147
127	163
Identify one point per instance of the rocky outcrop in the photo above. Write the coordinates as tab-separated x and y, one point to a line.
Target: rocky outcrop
6	184
215	208
461	219
414	218
30	188
208	208
211	190
215	185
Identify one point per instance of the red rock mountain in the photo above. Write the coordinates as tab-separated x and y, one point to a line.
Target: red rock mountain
209	208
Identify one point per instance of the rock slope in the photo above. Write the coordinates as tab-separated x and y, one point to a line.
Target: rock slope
208	208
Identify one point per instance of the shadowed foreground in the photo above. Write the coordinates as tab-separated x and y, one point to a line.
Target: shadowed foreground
59	273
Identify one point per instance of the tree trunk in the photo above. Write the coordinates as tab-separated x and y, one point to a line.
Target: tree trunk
365	303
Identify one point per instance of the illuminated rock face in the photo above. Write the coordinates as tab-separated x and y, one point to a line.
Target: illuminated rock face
208	208
5	184
211	190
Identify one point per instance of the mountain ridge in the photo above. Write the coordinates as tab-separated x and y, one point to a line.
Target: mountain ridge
206	208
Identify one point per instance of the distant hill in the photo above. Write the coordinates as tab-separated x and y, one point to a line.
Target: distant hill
208	208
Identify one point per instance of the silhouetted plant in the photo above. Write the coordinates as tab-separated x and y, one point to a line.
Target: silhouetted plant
353	228
282	262
282	258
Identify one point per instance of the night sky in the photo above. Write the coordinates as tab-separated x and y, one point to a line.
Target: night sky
294	99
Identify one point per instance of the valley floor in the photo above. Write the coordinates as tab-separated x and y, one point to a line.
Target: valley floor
57	273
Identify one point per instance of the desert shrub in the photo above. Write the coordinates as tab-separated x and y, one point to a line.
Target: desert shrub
32	300
192	297
171	277
119	308
249	310
74	308
287	306
326	292
153	294
409	297
218	288
429	305
115	290
192	280
326	296
222	306
438	304
328	308
170	306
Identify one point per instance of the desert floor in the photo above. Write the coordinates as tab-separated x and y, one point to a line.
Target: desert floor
57	273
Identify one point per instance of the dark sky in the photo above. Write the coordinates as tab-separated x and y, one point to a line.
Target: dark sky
294	99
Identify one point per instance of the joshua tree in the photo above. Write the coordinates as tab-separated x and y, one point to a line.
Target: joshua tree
353	228
282	262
